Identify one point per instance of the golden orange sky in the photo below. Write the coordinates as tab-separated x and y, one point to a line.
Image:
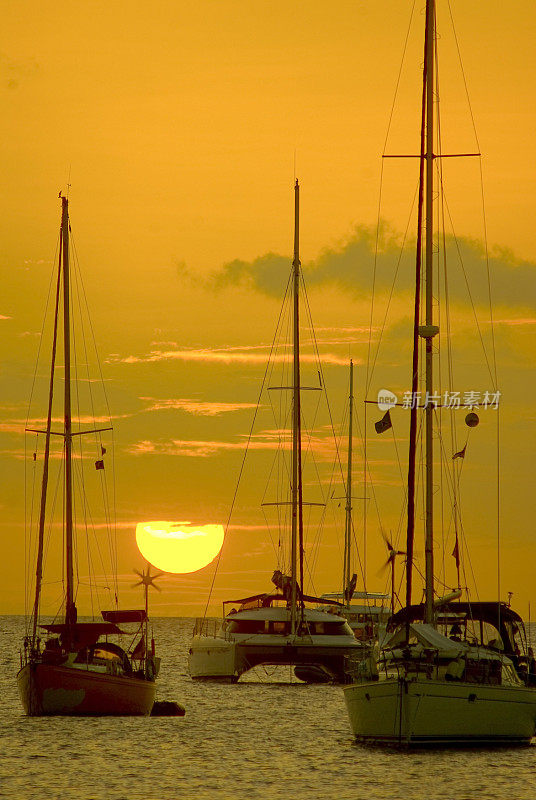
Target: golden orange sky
180	127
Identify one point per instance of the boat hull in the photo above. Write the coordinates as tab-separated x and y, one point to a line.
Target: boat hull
213	658
424	712
52	690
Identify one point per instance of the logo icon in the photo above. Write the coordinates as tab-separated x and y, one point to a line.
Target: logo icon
386	399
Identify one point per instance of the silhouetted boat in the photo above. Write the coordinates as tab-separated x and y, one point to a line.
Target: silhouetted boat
71	667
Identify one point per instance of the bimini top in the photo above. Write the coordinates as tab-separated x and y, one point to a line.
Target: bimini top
127	615
490	611
499	615
265	600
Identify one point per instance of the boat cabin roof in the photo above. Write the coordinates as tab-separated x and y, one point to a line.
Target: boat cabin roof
487	611
83	634
499	615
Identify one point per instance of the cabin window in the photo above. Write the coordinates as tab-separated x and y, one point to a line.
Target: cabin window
280	628
246	626
329	628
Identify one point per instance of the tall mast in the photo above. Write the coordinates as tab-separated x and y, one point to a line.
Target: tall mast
430	330
296	416
348	525
70	610
418	331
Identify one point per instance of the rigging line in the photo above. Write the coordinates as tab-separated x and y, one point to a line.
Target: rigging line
321	370
491	318
473	307
41	336
368	377
93	338
463	75
399	76
456	473
391	292
82	296
87	515
316	350
241	470
498	513
30	400
267	523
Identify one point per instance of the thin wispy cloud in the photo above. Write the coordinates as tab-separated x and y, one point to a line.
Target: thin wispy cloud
516	321
195	407
323	447
225	356
193	448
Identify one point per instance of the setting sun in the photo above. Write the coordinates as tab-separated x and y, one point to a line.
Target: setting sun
178	546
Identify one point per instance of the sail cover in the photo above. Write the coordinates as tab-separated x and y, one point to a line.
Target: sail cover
429	637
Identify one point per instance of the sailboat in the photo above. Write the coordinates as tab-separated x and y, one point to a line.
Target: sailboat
451	672
364	611
70	667
279	628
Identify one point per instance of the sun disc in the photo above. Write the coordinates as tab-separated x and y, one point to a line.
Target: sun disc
177	546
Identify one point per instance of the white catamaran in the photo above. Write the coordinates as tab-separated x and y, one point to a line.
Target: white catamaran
451	673
279	628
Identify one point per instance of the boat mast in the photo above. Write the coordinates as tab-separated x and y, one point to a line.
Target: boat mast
348	527
297	523
418	331
430	330
70	609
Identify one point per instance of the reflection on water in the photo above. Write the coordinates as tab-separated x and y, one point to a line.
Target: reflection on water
257	739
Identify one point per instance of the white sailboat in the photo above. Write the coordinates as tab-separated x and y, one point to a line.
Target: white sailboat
450	673
70	667
279	628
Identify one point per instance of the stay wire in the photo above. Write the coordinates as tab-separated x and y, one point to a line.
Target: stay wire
248	442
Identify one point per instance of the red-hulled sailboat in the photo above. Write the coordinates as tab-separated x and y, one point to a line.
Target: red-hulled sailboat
69	667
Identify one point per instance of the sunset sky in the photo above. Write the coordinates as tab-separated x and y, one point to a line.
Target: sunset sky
180	128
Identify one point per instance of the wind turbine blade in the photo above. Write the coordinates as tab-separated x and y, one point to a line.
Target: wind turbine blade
387	542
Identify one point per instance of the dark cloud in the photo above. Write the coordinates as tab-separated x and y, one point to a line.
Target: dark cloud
351	268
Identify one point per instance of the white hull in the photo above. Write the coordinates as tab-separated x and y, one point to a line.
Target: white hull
426	712
213	658
222	659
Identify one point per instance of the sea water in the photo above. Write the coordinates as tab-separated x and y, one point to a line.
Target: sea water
266	737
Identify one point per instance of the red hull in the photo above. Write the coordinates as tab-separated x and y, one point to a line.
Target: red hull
49	690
